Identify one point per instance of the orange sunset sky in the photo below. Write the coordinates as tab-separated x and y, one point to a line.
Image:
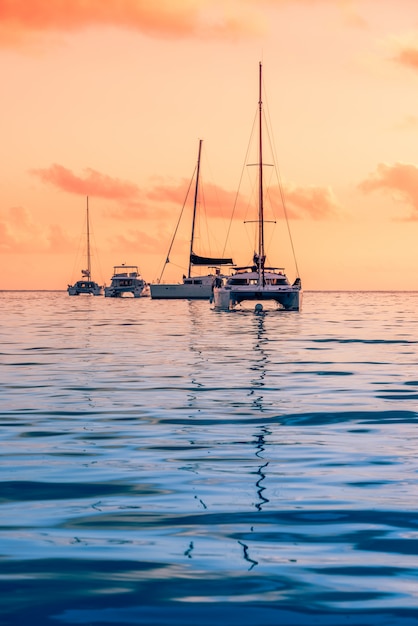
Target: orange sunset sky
109	99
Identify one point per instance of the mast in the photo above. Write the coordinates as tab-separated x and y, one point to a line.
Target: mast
88	242
194	207
261	256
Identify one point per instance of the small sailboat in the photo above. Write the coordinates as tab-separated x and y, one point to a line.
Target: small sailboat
86	285
257	282
126	280
192	286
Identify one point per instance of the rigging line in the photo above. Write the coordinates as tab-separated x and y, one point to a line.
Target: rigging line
212	184
240	181
208	238
251	232
79	259
181	267
279	180
167	259
96	250
203	215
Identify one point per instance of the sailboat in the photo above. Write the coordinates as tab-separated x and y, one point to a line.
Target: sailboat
192	287
86	285
257	282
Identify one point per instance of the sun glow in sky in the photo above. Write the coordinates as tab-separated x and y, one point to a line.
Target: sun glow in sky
109	100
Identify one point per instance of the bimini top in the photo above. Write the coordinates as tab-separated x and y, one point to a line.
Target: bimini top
125	271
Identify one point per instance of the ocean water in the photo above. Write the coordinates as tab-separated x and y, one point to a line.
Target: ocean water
163	464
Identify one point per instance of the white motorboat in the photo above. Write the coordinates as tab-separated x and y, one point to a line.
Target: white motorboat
257	282
126	280
192	287
86	285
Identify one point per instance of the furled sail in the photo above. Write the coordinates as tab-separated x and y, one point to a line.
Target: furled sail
209	261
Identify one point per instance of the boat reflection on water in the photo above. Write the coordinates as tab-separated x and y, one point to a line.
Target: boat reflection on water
259	366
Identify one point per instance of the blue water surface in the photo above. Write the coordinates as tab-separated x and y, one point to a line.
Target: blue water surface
164	464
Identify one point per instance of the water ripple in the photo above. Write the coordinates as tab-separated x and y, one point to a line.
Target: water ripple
166	465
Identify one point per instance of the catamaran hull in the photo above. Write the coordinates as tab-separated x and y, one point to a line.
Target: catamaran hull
111	292
181	292
286	299
73	292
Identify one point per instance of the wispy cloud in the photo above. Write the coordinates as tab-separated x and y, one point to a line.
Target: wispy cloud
166	18
401	180
160	199
27	21
312	202
130	200
407	55
93	183
19	233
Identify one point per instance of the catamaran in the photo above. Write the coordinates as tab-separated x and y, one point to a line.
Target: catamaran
192	287
258	282
86	285
126	279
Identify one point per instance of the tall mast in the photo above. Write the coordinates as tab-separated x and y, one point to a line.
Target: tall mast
88	241
261	257
194	207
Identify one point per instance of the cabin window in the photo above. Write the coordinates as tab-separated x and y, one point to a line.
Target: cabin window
238	281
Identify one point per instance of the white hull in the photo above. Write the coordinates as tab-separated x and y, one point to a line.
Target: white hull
119	292
180	292
288	299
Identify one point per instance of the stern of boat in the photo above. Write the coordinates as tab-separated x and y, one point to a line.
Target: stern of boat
221	298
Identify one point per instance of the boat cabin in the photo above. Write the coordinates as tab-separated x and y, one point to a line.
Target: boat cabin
252	278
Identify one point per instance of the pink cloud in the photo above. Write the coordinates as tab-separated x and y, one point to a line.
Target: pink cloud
401	179
158	200
164	201
92	184
317	203
165	18
132	201
408	56
23	21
